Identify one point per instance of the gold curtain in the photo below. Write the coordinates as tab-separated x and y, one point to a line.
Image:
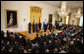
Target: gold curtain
69	19
35	14
64	20
78	21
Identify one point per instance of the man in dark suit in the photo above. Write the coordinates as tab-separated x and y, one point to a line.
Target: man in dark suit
2	35
29	27
57	26
50	26
36	27
33	27
43	46
39	26
45	28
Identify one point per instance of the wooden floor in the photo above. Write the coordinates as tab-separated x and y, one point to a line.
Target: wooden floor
33	35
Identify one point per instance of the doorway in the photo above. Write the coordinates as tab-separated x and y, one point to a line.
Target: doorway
35	15
50	18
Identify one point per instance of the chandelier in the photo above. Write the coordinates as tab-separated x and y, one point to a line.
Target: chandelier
63	12
78	15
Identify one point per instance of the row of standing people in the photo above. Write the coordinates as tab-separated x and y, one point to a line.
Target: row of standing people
37	27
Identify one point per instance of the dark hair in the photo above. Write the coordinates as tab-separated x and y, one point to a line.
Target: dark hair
44	34
37	35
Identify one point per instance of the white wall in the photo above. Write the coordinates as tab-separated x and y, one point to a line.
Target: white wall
73	16
23	8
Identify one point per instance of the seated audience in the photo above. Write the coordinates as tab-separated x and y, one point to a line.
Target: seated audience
68	41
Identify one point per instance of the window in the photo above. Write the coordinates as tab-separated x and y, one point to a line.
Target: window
67	19
81	21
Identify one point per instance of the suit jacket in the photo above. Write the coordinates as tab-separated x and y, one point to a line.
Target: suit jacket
33	26
36	26
29	25
39	24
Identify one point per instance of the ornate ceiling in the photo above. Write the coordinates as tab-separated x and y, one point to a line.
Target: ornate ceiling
70	4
